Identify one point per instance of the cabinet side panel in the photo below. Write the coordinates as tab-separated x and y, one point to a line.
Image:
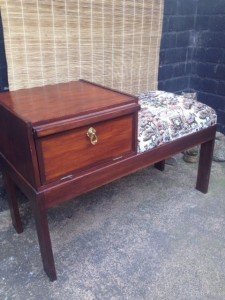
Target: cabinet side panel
15	146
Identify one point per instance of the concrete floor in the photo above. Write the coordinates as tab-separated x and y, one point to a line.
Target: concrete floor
148	236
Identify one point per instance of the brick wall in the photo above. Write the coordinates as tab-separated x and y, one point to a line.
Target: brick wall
192	55
3	64
208	66
176	46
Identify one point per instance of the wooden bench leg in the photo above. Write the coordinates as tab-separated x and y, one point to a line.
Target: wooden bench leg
13	204
160	165
40	214
204	167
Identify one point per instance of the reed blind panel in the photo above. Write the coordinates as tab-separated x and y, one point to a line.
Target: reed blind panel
114	43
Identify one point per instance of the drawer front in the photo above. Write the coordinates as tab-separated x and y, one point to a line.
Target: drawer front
64	153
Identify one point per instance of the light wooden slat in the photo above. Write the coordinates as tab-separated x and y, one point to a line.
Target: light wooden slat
115	43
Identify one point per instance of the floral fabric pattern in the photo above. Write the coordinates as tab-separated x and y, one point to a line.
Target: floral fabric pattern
165	117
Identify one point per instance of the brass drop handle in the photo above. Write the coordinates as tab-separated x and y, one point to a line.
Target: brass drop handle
91	133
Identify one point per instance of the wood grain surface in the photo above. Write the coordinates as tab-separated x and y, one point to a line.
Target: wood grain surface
61	101
70	151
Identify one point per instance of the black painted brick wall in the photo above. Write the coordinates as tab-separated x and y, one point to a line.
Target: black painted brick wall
176	45
208	66
3	64
192	55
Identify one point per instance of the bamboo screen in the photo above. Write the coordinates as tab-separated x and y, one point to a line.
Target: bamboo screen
115	43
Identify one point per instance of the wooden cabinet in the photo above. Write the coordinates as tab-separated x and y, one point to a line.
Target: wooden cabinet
55	135
44	131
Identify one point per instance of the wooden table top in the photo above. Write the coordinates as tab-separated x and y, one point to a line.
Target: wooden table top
61	101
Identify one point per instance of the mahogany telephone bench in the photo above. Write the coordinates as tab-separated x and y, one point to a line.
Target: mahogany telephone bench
60	141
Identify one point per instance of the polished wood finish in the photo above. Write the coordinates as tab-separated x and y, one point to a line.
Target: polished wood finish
45	151
76	122
63	154
101	175
17	145
49	103
29	191
40	215
13	205
205	163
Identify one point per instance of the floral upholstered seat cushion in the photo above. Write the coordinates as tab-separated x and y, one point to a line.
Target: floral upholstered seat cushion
165	117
